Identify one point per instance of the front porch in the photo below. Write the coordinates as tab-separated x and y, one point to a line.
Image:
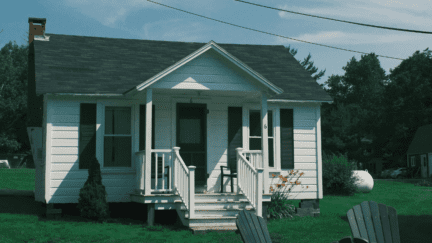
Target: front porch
175	189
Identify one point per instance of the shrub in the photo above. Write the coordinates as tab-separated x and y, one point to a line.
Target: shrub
279	206
337	177
426	183
92	201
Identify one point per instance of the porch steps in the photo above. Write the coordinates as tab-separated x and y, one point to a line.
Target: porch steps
214	211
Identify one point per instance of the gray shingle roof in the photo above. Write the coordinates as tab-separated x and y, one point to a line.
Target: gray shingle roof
422	142
80	64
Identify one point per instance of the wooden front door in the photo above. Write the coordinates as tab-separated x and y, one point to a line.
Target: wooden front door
191	138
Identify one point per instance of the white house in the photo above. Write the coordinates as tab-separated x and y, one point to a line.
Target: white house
194	106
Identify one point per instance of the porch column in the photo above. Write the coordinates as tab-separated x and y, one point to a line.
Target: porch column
264	140
148	141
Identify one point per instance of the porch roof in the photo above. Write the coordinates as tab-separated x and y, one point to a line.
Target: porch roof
96	65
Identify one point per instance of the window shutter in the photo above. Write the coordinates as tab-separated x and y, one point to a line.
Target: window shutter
87	135
235	135
287	138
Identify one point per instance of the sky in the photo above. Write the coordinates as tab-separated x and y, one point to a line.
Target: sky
140	19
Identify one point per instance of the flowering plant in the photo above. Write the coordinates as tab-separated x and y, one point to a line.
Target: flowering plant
280	206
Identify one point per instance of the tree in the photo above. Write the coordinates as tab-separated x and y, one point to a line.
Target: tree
307	64
13	97
357	100
407	104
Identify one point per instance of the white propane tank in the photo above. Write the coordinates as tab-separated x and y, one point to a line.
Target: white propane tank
365	183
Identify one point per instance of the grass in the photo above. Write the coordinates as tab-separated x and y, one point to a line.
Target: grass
413	204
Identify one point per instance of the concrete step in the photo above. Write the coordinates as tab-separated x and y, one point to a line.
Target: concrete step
206	229
226	213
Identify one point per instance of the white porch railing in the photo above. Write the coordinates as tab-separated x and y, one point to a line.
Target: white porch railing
184	182
254	157
249	181
166	161
183	179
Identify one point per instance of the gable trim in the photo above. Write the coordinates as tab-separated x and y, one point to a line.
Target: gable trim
220	50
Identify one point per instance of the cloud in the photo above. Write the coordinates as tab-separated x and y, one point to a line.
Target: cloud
347	38
175	30
107	12
389	13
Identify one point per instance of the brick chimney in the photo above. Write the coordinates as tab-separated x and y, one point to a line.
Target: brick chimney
36	29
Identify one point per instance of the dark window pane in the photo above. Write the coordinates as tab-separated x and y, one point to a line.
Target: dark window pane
270	123
271	152
255	123
254	143
190	131
117	120
117	151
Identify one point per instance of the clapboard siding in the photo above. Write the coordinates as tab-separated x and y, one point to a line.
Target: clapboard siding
73	199
74	191
208	72
305	150
79	183
65	177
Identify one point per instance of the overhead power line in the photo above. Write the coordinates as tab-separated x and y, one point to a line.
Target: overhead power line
270	33
349	22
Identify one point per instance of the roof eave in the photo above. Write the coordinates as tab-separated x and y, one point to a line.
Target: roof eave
206	47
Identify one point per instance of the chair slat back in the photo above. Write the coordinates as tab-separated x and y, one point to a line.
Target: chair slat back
374	222
253	228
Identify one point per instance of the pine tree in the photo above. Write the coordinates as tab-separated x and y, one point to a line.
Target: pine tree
92	201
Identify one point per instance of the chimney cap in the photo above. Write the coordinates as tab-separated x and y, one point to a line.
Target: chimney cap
37	20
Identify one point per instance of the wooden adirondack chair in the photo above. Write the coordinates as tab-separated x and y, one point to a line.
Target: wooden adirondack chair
374	222
348	239
253	229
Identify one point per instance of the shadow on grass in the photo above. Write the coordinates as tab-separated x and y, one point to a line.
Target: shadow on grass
412	228
129	213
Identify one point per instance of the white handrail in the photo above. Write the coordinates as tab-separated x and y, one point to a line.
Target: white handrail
256	160
255	157
141	162
184	182
249	181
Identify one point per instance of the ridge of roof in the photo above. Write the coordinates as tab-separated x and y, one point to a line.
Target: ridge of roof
220	43
97	65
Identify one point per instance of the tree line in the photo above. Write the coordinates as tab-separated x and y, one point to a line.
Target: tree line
368	104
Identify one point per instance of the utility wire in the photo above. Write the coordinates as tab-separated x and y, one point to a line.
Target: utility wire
270	33
368	25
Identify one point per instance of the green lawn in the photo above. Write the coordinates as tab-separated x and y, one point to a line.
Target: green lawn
413	205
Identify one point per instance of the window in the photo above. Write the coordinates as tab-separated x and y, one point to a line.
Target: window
118	137
413	161
255	133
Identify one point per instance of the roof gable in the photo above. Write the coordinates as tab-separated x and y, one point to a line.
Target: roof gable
95	65
422	142
198	53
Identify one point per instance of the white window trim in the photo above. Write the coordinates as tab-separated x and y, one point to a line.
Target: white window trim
276	131
100	133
